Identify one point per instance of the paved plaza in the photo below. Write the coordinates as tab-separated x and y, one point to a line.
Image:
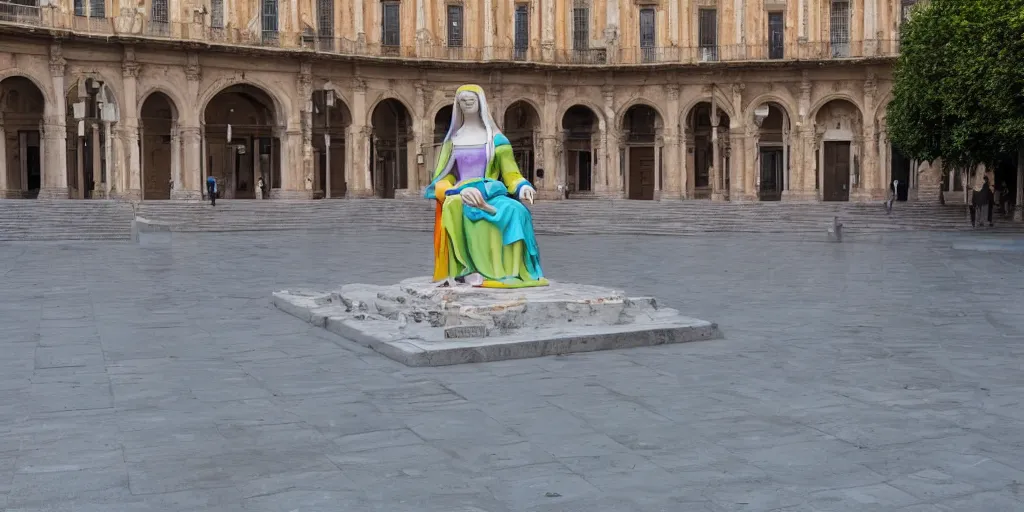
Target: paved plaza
872	376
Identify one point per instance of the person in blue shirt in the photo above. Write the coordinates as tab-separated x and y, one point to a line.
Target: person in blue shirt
211	189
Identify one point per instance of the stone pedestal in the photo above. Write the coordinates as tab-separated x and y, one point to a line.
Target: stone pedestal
53	193
421	323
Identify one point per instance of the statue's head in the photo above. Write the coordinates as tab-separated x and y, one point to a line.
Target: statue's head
468	102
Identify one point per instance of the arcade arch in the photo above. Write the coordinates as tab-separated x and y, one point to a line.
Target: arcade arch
520	125
773	152
641	129
579	133
837	124
160	146
242	141
707	152
21	154
331	120
91	114
389	147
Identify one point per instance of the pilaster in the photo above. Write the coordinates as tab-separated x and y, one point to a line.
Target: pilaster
55	172
130	72
185	187
672	186
305	89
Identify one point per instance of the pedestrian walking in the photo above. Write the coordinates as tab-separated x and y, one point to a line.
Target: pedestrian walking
982	202
211	189
893	190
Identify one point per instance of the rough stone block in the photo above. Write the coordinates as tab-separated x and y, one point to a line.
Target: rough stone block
420	323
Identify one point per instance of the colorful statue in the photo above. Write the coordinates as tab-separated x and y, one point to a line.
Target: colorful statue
482	231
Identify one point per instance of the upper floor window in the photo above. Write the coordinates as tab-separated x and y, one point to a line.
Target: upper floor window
776	35
522	31
580	25
455	27
217	13
91	8
325	18
158	11
707	34
839	28
269	16
647	34
390	24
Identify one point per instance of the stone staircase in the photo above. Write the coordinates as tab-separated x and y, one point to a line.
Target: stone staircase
108	220
44	220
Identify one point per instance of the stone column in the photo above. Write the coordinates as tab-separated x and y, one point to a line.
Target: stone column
190	137
673	23
55	173
130	72
358	22
717	193
752	163
97	162
611	148
108	149
3	161
684	162
737	164
358	171
670	140
305	90
785	156
175	158
422	33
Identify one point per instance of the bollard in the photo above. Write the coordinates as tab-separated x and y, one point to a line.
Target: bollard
835	231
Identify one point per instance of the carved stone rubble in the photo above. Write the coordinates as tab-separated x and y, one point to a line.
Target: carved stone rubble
421	323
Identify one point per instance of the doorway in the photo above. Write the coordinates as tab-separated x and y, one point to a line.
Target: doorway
641	172
836	175
771	174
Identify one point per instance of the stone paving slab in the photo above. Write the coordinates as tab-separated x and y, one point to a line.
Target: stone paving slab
874	377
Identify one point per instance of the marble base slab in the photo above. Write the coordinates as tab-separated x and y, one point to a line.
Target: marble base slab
420	323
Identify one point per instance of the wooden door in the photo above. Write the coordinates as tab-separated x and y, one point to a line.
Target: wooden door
641	173
836	173
771	174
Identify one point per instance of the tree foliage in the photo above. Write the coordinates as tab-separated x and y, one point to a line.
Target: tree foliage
959	81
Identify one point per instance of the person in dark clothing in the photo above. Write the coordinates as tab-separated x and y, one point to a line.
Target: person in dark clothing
1006	198
982	200
211	189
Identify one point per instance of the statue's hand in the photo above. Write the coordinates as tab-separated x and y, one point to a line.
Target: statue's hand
472	197
526	194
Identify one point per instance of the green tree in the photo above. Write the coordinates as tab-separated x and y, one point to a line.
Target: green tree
959	82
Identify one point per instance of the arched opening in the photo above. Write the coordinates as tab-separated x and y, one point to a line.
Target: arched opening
91	114
707	152
579	127
520	125
389	148
241	142
641	126
160	147
21	154
331	119
442	119
772	151
837	125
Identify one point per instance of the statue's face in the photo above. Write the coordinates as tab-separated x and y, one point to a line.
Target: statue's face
469	103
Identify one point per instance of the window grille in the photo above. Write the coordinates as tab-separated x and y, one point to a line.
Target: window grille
839	28
97	9
325	18
707	36
158	12
217	13
390	24
522	31
776	35
269	20
79	7
647	51
580	25
455	27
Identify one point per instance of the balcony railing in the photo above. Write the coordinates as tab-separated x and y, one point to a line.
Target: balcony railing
11	12
17	14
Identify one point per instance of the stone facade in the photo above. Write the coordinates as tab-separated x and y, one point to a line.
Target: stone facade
636	99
